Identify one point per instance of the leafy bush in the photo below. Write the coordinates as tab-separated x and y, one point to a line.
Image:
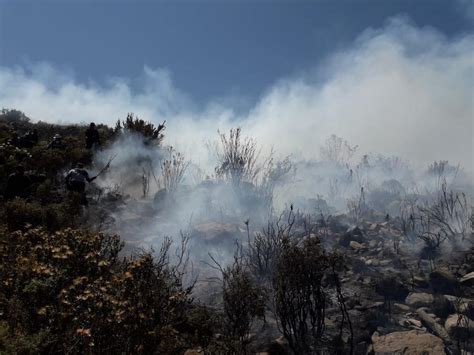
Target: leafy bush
71	290
150	132
20	213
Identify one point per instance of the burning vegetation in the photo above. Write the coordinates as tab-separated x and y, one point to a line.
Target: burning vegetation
156	254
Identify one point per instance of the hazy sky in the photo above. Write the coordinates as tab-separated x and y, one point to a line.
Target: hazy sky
211	48
394	77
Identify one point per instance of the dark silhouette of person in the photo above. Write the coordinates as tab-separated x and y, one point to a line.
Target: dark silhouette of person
17	184
56	142
76	181
92	137
31	138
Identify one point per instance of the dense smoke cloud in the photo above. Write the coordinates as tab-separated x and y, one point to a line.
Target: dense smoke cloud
399	90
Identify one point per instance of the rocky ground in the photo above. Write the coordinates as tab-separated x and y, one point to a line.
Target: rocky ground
400	299
399	302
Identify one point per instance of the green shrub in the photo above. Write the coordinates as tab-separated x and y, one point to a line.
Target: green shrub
20	213
72	287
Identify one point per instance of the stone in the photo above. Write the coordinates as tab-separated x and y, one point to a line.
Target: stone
353	233
419	299
420	281
407	343
401	307
373	244
463	305
391	288
414	322
468	279
459	327
357	246
372	262
433	325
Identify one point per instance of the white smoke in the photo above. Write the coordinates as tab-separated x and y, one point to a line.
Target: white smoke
398	90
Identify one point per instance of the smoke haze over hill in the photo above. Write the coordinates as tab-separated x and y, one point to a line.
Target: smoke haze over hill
397	90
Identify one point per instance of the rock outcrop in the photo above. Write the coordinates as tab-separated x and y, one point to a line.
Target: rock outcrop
412	342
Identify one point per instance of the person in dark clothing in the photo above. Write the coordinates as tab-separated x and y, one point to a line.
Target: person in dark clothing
31	138
56	142
76	181
17	184
92	137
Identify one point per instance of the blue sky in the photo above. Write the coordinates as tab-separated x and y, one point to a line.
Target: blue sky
210	48
393	77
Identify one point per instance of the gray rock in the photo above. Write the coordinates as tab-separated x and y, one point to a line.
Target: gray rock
431	323
357	246
459	326
468	279
352	234
419	299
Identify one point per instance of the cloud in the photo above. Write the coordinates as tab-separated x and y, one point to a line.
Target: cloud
397	90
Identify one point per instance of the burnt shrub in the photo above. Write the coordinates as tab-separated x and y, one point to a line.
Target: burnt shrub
301	291
244	302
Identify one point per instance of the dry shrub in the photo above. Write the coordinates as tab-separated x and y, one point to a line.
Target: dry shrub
301	294
172	171
243	304
73	286
337	150
357	207
264	248
238	158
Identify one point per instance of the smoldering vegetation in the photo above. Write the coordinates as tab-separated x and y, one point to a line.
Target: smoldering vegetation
352	252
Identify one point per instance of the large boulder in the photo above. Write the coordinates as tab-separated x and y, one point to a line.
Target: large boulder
419	299
408	343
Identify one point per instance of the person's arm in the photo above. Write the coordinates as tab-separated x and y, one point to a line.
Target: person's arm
90	179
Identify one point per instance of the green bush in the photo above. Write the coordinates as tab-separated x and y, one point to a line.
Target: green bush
72	287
